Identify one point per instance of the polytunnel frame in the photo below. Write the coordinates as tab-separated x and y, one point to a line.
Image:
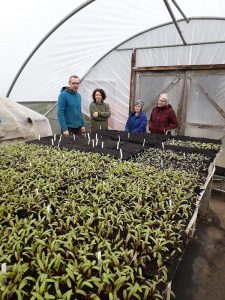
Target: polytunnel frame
116	48
134	70
76	10
80	7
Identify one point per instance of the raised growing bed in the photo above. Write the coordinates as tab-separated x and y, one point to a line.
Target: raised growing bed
84	226
124	145
95	144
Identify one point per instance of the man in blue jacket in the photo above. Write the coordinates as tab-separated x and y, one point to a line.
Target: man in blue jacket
69	108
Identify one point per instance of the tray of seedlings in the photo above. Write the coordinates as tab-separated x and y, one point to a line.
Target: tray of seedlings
93	142
117	144
81	225
133	137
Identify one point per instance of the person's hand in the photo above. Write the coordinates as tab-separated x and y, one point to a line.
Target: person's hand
66	133
82	129
95	114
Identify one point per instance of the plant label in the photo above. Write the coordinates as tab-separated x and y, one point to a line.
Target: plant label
3	268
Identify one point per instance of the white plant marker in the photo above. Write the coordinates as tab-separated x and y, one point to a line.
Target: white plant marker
48	208
100	127
52	142
88	135
121	154
144	143
59	142
99	257
170	203
93	143
85	135
96	143
3	268
163	145
54	137
74	137
96	136
118	144
128	135
39	137
119	138
102	144
161	163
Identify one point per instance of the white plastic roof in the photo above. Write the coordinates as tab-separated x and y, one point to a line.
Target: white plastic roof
80	42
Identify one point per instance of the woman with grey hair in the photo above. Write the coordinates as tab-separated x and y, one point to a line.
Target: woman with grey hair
137	120
163	117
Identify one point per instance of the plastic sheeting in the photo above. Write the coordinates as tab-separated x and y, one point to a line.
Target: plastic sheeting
87	36
18	122
113	71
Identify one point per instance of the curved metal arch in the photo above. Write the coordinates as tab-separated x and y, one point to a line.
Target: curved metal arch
147	30
123	42
166	24
80	7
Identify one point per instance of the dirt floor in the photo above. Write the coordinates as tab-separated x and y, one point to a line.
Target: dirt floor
201	273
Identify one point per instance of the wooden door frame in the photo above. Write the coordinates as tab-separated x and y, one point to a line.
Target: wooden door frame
182	106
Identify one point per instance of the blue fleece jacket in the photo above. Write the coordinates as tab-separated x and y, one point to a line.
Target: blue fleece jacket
136	123
69	109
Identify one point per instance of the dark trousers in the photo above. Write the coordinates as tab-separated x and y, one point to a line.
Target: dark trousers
74	130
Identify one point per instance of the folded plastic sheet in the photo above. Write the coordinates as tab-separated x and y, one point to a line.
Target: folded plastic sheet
18	122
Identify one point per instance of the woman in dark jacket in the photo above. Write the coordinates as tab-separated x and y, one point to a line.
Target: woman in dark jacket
137	120
163	117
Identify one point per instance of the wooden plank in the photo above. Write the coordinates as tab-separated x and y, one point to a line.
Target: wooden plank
199	125
132	80
182	109
181	67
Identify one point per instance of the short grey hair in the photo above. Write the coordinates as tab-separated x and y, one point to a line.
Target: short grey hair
73	76
140	102
165	96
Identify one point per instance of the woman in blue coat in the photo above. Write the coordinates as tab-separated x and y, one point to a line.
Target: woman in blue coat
137	120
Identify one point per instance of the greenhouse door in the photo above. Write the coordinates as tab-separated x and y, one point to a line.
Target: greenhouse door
205	112
197	96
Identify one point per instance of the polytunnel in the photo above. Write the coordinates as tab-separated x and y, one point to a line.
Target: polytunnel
162	185
131	49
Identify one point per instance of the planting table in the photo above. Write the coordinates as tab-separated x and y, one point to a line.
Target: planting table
202	207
